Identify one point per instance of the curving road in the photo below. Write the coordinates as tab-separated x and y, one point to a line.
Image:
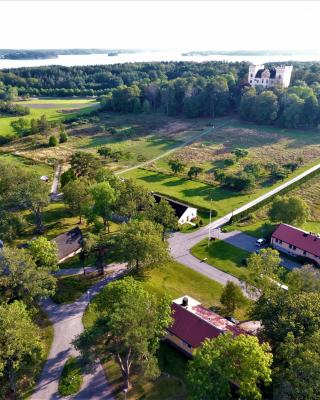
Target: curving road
67	324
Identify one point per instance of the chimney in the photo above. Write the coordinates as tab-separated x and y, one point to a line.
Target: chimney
185	302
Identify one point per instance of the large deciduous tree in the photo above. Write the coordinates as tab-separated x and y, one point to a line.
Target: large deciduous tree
132	199
44	253
162	213
103	200
263	271
76	194
21	279
20	346
218	362
232	297
140	243
290	210
131	325
84	164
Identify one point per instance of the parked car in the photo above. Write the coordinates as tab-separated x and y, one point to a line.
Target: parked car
261	242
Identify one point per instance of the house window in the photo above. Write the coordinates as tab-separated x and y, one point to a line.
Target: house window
267	80
262	81
290	246
304	252
280	241
250	80
251	75
294	247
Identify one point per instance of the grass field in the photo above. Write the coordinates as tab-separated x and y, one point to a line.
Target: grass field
199	193
53	109
260	226
39	168
222	255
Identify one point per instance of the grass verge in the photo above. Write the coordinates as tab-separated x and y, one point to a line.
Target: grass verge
71	287
222	255
71	378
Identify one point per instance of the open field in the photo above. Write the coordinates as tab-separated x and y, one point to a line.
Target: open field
265	144
141	137
195	192
39	168
260	226
53	109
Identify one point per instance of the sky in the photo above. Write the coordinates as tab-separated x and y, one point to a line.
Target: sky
174	25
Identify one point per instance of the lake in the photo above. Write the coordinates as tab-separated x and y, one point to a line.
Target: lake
100	59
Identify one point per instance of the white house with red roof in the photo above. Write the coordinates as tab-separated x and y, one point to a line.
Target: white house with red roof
296	242
193	323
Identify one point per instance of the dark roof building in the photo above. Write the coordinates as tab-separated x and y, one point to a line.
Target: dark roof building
69	244
183	212
194	323
296	242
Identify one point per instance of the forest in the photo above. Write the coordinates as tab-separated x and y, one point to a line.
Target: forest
207	89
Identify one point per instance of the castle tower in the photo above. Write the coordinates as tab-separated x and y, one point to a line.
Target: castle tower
283	75
253	69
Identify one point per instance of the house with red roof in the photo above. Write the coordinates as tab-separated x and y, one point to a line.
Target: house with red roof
193	323
296	242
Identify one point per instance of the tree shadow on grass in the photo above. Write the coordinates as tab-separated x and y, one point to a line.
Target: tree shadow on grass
153	178
176	182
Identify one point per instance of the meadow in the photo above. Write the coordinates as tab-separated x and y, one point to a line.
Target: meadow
258	224
52	108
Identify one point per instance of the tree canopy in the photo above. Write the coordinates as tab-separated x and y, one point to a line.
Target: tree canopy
225	359
131	325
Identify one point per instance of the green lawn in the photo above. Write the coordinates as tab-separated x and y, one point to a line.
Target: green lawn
71	378
52	113
71	287
223	256
39	168
198	193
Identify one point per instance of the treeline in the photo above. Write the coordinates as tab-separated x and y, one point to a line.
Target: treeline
8	108
294	107
192	89
100	79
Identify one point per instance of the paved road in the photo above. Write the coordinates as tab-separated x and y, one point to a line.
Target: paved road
180	146
67	324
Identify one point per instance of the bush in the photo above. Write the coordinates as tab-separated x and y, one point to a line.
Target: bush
53	141
71	378
228	162
63	137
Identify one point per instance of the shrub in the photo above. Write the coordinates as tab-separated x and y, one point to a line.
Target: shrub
71	378
53	141
63	137
228	162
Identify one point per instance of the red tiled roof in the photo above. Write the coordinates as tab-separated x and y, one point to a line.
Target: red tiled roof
299	238
194	329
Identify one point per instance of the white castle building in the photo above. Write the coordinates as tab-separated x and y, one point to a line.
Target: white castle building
261	76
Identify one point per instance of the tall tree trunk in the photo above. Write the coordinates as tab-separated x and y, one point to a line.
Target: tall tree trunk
125	366
12	378
108	225
38	221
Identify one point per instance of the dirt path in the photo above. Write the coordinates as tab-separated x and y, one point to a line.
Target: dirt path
56	178
67	324
180	146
